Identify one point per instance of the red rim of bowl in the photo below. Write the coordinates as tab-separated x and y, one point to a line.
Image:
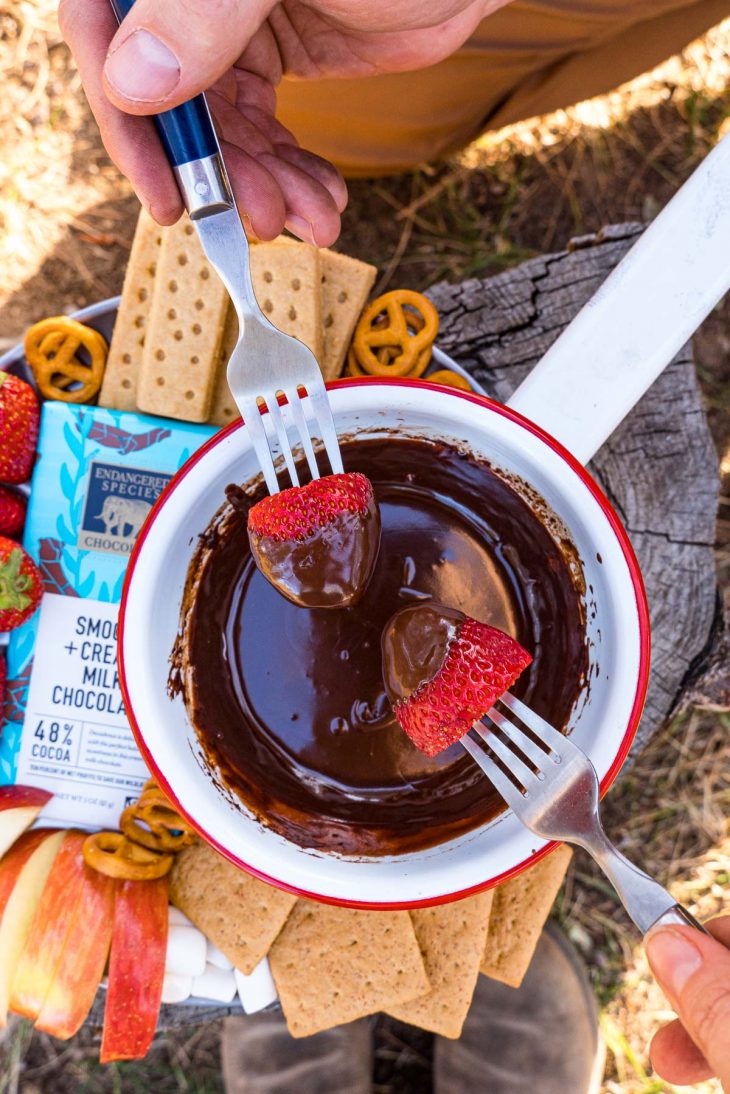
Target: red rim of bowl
642	611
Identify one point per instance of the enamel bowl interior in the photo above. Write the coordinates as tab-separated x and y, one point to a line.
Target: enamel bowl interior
603	722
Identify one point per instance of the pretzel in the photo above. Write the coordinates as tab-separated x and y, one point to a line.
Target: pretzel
411	324
111	853
51	348
450	378
166	830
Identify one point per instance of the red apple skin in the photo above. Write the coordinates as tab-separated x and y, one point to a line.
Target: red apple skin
15	860
136	969
23	874
15	797
83	958
19	807
48	931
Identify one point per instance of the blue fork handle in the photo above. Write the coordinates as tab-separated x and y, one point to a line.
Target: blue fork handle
192	148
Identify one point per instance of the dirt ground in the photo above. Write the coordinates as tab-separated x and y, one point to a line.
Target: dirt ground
66	221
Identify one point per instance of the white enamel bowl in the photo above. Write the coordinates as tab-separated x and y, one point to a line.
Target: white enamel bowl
603	723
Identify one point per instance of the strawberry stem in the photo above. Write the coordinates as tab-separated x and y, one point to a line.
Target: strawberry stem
14	585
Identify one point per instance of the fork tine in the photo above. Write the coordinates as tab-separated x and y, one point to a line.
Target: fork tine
496	776
300	421
325	421
257	432
278	421
533	752
510	759
542	729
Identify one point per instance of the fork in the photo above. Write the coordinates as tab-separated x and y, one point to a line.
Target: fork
552	787
266	363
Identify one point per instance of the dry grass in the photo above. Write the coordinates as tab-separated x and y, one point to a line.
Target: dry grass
66	219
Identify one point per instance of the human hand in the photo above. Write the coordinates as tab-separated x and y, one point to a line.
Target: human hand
694	972
166	51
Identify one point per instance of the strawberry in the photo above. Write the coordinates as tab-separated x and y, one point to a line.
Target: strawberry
317	544
19	416
444	671
21	585
12	512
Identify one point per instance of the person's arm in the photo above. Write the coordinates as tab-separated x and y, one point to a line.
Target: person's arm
166	51
694	972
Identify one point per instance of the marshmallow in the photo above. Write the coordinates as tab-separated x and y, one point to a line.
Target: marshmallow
176	989
257	989
214	957
215	983
185	951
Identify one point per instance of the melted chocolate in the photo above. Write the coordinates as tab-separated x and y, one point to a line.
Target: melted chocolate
289	703
329	568
415	642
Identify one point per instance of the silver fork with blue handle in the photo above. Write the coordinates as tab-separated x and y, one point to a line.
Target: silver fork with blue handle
555	793
265	363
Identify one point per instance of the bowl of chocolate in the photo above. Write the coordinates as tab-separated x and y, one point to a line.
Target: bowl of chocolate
267	721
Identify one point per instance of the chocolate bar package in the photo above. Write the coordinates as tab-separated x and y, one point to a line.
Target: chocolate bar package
97	477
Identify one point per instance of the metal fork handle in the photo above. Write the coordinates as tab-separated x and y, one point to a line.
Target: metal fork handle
191	146
648	903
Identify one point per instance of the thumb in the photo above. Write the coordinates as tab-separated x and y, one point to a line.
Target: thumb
694	971
166	51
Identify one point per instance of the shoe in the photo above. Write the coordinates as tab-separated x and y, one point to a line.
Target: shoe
540	1038
259	1056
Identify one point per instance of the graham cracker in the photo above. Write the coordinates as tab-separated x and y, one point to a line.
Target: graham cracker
333	965
182	344
240	914
346	285
451	938
223	409
286	280
519	910
119	386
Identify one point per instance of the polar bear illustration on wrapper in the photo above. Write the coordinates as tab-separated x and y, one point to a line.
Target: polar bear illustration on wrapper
119	514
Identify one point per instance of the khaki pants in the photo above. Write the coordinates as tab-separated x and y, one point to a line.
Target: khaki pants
528	58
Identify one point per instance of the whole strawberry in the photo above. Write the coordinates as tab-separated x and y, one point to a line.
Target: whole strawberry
21	585
443	671
317	544
12	512
19	416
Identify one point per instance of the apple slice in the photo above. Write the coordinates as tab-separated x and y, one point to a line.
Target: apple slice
136	969
23	874
83	958
19	807
52	921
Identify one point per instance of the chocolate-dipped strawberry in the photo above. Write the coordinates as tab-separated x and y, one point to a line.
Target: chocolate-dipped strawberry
317	544
443	671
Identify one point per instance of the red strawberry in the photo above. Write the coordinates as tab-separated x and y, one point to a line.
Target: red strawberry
317	544
12	512
19	417
444	671
21	585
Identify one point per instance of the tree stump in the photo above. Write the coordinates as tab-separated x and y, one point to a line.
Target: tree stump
659	469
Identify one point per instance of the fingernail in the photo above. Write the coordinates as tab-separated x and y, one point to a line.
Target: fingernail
143	68
302	228
673	958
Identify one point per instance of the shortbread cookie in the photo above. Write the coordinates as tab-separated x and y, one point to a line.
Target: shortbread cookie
333	965
182	344
451	938
119	387
236	911
519	910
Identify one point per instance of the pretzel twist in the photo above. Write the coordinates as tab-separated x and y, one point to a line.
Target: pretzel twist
111	853
51	349
394	335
